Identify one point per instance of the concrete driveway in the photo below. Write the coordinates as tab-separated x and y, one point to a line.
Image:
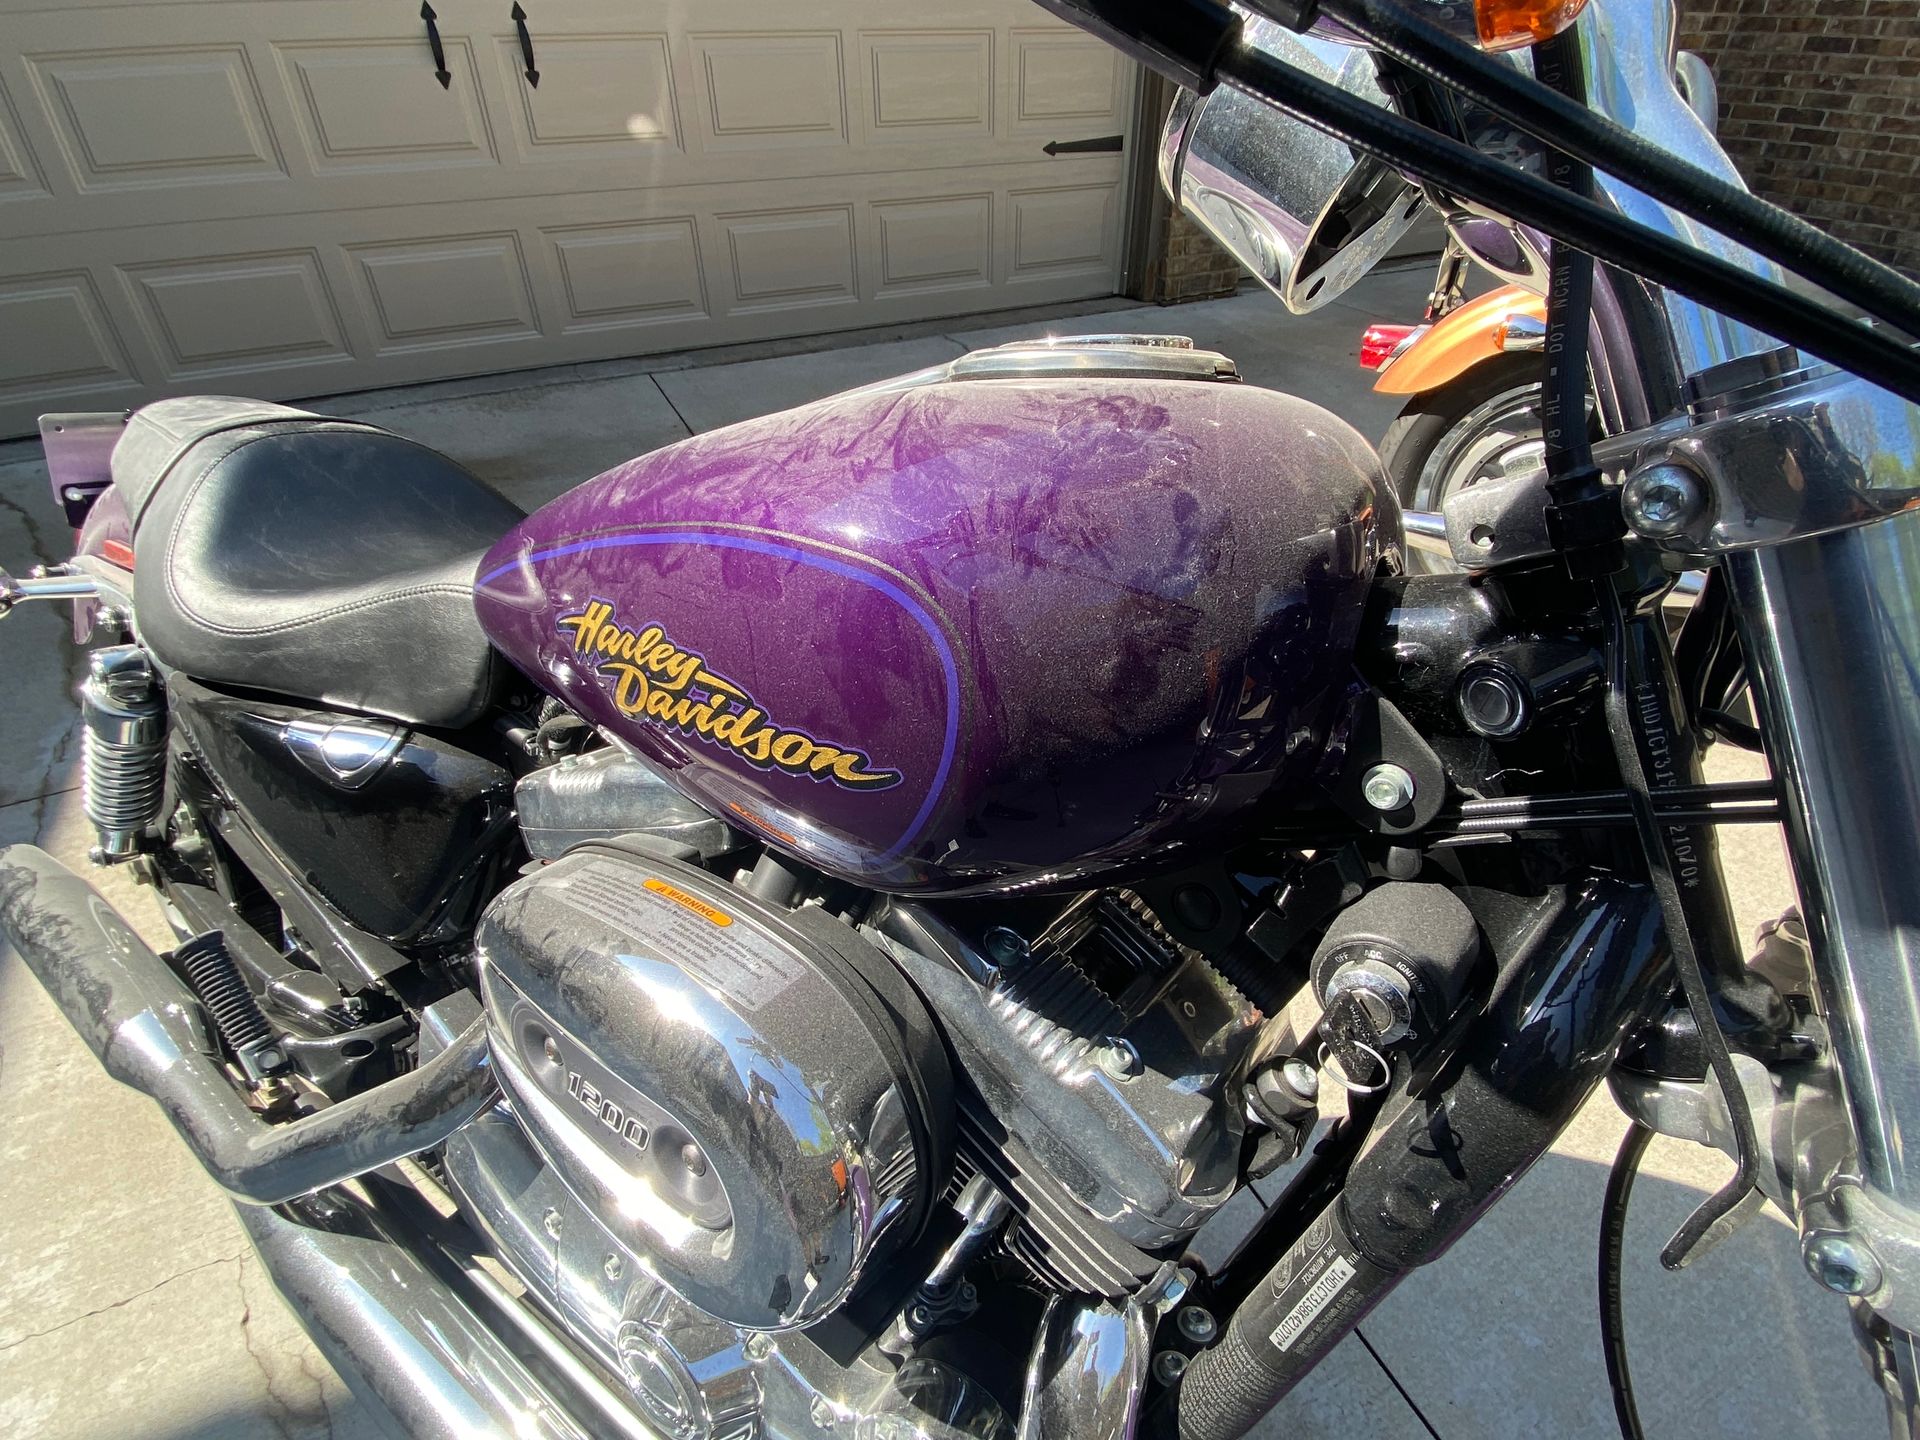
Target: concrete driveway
132	1306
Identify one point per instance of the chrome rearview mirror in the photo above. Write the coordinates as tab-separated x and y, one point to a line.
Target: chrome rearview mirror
1298	208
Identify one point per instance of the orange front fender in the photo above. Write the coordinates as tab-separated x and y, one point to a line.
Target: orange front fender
1458	342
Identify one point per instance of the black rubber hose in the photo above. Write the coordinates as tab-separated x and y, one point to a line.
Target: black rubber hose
1613	1235
1565	123
1707	279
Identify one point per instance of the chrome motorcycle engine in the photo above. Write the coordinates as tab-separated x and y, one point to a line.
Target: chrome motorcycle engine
730	1138
750	1102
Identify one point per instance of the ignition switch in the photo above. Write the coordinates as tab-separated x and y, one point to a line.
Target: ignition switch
1391	970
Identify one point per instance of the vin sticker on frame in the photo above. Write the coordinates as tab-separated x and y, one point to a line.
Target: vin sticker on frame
1313	1285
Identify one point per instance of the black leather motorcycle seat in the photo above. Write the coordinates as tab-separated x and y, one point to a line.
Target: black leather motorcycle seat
322	559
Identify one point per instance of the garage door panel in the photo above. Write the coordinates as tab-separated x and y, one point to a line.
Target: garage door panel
148	118
20	175
935	245
60	339
788	259
359	107
626	275
1063	77
237	314
670	184
771	90
923	86
358	118
1061	231
456	290
609	93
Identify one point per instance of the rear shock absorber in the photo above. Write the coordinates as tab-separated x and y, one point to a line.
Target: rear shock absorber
123	749
223	990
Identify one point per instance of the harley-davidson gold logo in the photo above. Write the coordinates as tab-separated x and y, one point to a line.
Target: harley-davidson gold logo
650	677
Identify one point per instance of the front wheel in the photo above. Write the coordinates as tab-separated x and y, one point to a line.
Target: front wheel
1485	425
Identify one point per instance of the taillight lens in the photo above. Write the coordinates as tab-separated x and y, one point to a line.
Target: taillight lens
1379	342
1508	24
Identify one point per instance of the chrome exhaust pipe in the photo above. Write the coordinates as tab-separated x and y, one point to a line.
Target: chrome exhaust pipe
409	1345
148	1030
1088	1367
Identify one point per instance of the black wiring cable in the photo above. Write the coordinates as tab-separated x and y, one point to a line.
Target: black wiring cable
1566	124
1622	728
1590	545
1563	390
1613	1235
1703	637
1581	223
1584	521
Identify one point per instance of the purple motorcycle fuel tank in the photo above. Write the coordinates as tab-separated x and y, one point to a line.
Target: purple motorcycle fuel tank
1039	614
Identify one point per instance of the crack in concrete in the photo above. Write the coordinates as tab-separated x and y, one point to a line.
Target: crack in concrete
39	812
36	799
120	1303
288	1414
36	536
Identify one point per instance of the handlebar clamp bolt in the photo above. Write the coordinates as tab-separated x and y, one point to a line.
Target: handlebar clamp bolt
1663	501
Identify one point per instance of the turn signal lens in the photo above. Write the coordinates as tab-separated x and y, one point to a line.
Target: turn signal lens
1508	24
1378	342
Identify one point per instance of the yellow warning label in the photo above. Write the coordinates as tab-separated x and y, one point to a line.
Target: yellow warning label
692	902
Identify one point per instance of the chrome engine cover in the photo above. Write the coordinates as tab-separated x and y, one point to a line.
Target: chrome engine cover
751	1102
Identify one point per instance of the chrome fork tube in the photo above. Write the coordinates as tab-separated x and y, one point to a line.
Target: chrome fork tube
1831	627
1627	48
1832	638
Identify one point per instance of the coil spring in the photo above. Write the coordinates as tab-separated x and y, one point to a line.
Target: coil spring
123	782
221	988
123	748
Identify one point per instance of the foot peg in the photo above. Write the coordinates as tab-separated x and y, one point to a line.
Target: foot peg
222	989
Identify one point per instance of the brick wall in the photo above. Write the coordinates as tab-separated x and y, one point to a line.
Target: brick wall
1820	109
1193	266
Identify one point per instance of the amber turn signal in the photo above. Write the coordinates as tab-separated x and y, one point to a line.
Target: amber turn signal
1507	24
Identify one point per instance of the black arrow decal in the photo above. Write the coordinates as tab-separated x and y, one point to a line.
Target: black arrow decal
1098	145
440	71
526	43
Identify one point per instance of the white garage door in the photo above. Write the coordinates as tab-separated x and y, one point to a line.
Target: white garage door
292	197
